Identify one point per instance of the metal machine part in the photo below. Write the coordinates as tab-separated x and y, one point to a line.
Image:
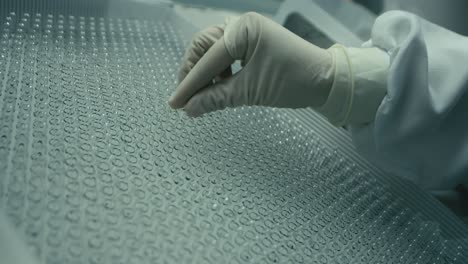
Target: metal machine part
335	19
95	168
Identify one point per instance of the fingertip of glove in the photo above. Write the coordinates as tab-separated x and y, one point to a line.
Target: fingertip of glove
191	113
172	102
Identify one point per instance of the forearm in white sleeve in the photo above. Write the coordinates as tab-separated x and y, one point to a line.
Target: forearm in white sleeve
420	129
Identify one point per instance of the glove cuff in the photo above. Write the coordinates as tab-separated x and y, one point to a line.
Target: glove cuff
359	85
339	101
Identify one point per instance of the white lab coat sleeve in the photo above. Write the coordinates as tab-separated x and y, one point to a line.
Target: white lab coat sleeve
420	130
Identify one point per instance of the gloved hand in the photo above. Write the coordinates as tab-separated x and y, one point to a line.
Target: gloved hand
279	70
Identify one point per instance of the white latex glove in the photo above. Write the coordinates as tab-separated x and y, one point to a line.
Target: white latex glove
279	70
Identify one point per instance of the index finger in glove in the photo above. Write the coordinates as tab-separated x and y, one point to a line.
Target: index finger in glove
213	63
200	44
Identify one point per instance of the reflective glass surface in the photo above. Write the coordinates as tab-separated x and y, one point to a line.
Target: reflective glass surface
95	167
